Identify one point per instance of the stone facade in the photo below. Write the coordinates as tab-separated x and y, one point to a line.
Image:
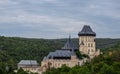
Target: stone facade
57	63
52	63
87	44
31	69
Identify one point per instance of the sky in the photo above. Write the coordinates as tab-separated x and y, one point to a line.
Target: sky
59	18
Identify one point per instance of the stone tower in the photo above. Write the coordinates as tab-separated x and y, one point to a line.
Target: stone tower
87	43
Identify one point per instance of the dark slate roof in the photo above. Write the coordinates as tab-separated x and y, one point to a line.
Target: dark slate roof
28	62
59	54
69	45
87	31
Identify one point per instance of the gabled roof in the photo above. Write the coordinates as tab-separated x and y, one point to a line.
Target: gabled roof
65	53
86	31
69	45
28	62
62	54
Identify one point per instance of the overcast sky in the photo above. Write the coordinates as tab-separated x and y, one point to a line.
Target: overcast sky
59	18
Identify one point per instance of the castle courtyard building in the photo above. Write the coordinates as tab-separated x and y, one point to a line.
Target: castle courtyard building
28	65
64	56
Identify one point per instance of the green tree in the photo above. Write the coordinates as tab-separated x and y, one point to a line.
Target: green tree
106	69
21	71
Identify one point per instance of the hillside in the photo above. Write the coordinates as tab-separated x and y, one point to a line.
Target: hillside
107	63
14	49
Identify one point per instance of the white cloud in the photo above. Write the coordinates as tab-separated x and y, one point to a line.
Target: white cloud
67	16
27	18
8	2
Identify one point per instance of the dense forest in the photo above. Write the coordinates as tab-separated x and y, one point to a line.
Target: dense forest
14	49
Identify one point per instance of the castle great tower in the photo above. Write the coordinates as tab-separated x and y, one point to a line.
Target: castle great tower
87	44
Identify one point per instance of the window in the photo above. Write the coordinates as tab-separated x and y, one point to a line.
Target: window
58	64
88	45
92	50
91	45
88	51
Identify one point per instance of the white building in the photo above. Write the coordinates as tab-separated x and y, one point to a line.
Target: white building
29	65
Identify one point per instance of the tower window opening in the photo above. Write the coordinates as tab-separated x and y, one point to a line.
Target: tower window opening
91	45
88	45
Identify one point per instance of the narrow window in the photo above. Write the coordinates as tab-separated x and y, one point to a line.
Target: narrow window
91	45
88	45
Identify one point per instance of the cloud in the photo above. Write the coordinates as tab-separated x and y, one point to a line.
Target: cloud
37	19
40	18
32	20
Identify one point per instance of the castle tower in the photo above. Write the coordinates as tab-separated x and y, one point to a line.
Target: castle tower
69	45
87	43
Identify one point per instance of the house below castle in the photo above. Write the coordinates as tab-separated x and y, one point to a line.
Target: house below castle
29	65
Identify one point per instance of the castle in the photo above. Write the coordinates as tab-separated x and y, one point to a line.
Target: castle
67	54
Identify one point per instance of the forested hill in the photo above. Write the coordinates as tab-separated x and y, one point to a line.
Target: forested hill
107	63
14	49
